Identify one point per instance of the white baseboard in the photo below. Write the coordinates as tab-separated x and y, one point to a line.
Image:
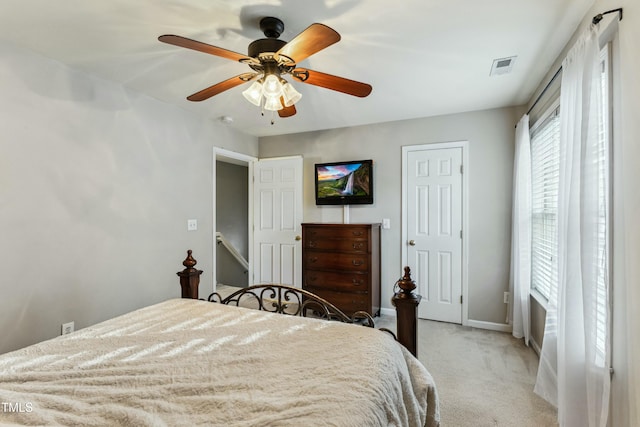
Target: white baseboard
501	327
534	345
388	312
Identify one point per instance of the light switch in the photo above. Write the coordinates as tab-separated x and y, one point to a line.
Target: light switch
192	224
386	223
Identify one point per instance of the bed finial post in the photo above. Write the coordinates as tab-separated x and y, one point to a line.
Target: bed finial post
189	277
406	303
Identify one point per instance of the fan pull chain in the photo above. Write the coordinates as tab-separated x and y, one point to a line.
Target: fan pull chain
262	104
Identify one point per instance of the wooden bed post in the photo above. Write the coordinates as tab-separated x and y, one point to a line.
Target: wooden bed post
189	277
406	303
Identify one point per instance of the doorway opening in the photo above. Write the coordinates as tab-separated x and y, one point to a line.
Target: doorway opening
272	204
231	219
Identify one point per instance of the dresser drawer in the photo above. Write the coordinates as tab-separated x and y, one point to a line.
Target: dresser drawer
351	232
347	303
345	282
337	245
335	261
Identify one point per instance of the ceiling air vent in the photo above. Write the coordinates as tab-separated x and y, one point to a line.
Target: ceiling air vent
502	65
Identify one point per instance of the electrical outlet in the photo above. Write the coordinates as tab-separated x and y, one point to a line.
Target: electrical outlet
67	328
506	297
192	224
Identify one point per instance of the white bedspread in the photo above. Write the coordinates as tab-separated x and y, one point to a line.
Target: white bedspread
188	362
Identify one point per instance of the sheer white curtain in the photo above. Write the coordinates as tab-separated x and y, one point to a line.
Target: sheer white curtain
520	278
573	374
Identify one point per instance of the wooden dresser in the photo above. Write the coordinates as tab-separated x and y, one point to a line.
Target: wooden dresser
341	263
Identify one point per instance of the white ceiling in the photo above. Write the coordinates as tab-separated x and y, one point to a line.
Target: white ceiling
422	57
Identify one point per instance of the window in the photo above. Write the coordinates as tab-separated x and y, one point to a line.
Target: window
602	259
545	161
545	153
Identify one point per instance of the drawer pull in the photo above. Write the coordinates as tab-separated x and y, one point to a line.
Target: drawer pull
313	259
358	245
357	262
312	244
357	282
357	233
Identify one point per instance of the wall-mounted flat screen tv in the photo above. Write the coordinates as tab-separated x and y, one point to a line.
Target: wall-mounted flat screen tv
344	183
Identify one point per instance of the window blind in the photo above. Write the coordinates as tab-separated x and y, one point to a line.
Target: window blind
601	303
545	161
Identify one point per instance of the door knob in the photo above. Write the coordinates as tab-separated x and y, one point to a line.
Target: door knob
298	238
412	242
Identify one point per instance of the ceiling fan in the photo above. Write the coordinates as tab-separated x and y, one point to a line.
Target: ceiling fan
270	59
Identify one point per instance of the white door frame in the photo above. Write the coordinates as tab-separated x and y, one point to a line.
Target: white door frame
465	217
240	159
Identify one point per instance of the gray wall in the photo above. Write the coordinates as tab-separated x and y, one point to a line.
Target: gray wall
232	220
490	134
96	186
538	315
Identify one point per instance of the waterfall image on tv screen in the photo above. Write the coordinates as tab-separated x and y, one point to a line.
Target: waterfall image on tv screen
344	183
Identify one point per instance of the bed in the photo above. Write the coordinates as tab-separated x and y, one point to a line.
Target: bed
188	361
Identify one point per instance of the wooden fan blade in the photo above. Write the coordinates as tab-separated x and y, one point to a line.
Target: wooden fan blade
286	111
327	81
315	38
219	87
203	47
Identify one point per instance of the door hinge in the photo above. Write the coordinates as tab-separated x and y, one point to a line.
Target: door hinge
461	234
460	299
461	170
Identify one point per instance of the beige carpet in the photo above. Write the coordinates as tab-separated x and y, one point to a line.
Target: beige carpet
484	378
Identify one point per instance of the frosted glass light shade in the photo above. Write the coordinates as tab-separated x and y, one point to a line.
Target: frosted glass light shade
290	94
273	104
272	88
254	93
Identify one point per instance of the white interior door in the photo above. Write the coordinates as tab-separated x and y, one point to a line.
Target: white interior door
277	219
434	230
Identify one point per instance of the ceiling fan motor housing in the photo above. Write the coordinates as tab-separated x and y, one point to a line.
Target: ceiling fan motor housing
265	45
272	28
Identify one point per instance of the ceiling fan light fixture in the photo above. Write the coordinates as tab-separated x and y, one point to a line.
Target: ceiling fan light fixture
254	93
272	88
290	94
272	103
